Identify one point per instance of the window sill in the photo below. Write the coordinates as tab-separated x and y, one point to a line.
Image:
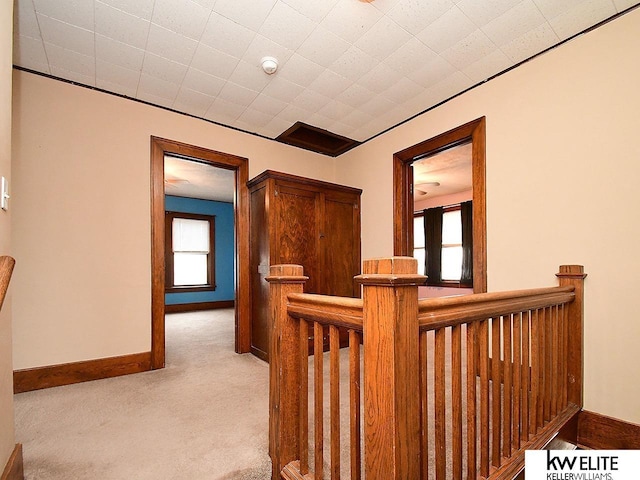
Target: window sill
450	284
188	288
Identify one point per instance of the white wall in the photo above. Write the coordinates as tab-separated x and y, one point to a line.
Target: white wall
81	217
563	175
7	436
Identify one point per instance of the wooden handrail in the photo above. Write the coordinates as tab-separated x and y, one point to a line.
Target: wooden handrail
327	310
6	268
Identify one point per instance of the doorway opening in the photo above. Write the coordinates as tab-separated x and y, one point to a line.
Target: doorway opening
472	133
161	148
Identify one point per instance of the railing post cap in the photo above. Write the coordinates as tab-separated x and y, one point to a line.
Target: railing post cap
286	273
391	271
571	271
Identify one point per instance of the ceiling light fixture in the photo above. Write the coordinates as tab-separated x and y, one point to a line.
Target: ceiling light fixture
269	65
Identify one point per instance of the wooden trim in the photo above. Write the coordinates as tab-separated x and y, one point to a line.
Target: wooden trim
160	147
474	131
6	269
76	372
14	469
196	307
600	432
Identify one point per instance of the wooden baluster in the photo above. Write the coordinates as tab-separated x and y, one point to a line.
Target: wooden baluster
574	275
456	401
484	396
391	390
424	406
554	360
518	418
318	384
440	404
496	384
334	391
565	355
354	372
471	401
548	333
303	437
506	394
284	368
529	373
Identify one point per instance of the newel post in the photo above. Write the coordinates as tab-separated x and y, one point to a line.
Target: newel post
573	275
391	378
284	367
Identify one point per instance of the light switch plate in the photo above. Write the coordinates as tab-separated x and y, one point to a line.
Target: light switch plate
4	194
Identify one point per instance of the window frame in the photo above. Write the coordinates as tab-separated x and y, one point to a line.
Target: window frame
169	254
444	283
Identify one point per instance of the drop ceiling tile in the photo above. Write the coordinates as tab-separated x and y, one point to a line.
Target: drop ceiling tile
483	12
316	10
581	17
335	110
552	8
72	76
261	46
223	111
350	20
274	128
186	17
402	91
121	26
355	118
323	47
319	121
250	76
486	67
415	15
194	103
341	129
29	52
119	53
282	89
206	3
363	133
529	44
356	95
380	78
286	26
300	70
65	35
410	57
226	35
138	8
171	45
155	99
213	62
292	114
252	17
447	30
163	68
514	23
202	82
330	84
237	94
430	72
25	21
383	38
63	59
622	5
377	106
75	12
108	72
125	90
385	5
449	86
254	118
157	87
269	105
353	64
310	100
466	51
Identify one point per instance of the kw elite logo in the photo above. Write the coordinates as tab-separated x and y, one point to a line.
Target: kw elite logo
582	465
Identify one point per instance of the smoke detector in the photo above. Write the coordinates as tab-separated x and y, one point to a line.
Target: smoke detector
269	65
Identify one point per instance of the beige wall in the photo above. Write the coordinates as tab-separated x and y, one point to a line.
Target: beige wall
81	224
7	437
563	173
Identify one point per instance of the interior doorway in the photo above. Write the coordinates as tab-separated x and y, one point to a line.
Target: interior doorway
473	133
239	166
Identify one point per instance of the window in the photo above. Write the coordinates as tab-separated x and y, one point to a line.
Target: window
189	252
439	246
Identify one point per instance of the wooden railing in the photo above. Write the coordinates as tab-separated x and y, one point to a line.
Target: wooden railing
454	387
6	268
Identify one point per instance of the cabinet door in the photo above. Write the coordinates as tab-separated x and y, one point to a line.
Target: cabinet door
297	234
341	244
259	264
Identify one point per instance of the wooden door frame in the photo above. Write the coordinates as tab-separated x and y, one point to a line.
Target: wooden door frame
160	147
475	132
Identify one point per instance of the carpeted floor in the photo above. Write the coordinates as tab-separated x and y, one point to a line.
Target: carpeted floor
204	416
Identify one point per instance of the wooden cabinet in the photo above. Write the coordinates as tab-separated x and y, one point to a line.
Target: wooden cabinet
306	222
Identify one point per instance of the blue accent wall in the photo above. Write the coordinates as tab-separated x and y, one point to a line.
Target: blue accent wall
224	248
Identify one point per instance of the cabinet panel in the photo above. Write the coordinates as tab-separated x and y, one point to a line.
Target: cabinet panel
342	247
259	264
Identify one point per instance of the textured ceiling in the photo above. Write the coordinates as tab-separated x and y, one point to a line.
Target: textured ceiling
351	67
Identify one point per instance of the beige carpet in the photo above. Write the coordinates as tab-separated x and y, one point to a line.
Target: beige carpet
205	416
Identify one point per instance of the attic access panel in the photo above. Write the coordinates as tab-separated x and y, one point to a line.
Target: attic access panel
317	140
